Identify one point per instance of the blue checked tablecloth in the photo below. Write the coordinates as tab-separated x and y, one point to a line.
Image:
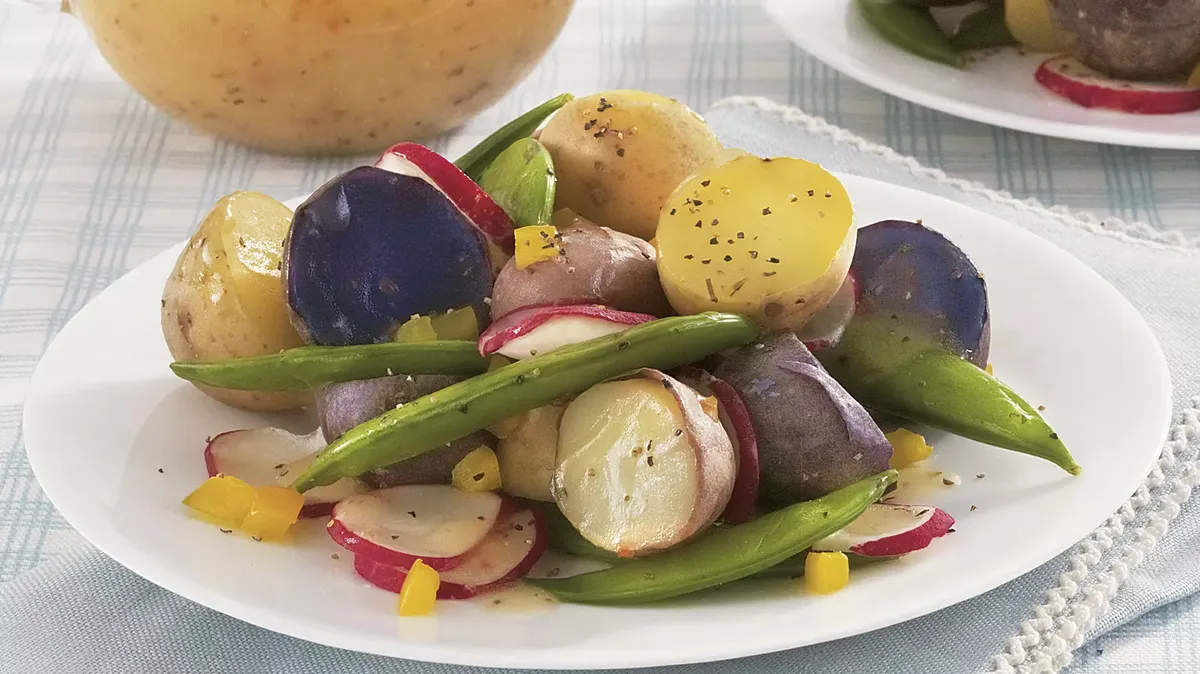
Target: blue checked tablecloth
93	181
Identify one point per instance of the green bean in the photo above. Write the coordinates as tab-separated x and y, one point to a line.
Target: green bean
793	567
468	406
310	366
984	29
479	157
724	554
912	29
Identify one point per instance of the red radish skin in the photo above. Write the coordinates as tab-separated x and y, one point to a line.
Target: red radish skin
889	530
400	525
824	330
477	205
478	574
741	432
1079	84
542	329
271	456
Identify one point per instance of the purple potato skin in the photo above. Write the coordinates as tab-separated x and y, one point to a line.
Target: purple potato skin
370	249
598	266
344	405
1137	40
913	275
813	438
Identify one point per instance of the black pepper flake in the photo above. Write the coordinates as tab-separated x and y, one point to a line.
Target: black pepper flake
1054	436
769	274
824	513
697	202
712	295
705	261
980	476
773	260
495	602
208	438
520	379
462	408
728	258
160	470
412	513
518	527
650	461
951	531
1041	408
394	537
828	195
737	286
622	345
689	257
754	255
793	199
905	338
800	301
741	235
678	432
604	105
334	555
547	246
672	211
699	224
715	221
705	183
649	444
227	531
589	125
481	518
729	241
974	508
257	538
562	251
713	241
767	210
620	152
812	193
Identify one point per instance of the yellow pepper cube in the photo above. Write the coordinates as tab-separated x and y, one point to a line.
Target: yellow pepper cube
989	370
826	572
416	329
535	244
477	471
418	594
274	511
908	448
223	499
456	324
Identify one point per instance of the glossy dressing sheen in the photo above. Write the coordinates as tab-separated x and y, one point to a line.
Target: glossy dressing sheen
322	75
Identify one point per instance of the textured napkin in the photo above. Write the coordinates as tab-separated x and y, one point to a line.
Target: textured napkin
83	612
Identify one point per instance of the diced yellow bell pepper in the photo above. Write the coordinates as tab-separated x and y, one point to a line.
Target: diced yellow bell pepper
826	572
418	594
456	324
274	511
223	499
989	370
907	448
477	471
1194	80
535	244
416	329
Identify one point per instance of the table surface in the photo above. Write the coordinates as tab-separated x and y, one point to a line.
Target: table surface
93	180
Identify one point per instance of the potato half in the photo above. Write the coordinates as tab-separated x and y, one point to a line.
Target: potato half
771	239
641	465
224	298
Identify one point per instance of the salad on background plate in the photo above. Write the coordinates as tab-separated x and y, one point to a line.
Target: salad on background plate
599	335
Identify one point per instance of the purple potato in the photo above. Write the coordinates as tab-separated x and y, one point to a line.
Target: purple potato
345	405
917	277
370	249
813	438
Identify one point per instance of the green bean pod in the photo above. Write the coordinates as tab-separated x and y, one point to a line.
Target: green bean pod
310	366
912	29
984	29
479	157
468	406
724	554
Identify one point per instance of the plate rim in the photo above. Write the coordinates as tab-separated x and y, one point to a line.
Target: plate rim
582	658
778	10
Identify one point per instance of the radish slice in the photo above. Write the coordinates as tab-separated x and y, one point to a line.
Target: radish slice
435	523
528	332
415	160
265	456
736	419
888	530
1079	84
506	555
824	330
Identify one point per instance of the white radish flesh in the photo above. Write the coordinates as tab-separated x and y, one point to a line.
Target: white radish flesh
273	456
436	523
528	332
888	530
641	466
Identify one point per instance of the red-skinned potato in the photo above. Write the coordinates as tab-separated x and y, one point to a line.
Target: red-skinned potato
642	465
344	405
813	438
597	266
526	451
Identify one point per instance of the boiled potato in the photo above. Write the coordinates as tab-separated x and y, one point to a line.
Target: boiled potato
618	154
527	450
224	298
770	239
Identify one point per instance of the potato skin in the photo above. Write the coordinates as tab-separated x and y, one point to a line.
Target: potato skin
598	266
618	154
527	452
813	438
1135	40
344	405
203	319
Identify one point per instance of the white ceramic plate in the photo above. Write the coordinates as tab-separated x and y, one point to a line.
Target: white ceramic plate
997	89
104	415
